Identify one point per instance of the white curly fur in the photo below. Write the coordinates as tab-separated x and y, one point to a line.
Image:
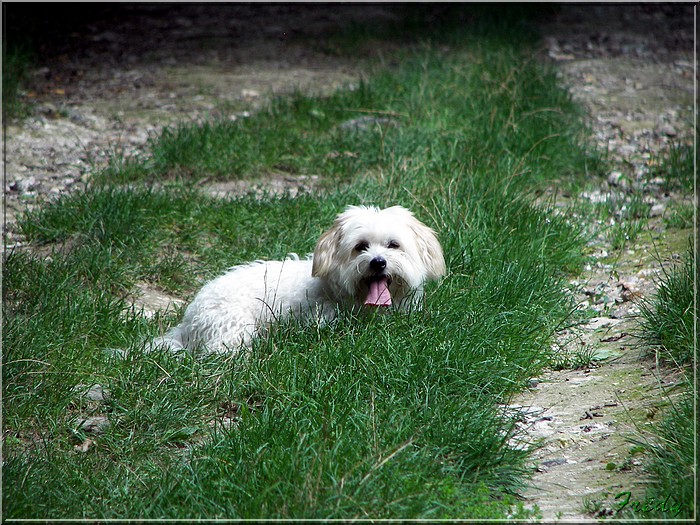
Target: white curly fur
363	247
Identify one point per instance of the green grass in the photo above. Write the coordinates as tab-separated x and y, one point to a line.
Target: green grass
671	467
668	320
676	167
374	416
681	216
668	324
16	60
626	216
444	109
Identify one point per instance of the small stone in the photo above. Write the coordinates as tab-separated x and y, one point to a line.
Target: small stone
629	289
619	313
647	272
48	109
668	130
601	322
554	462
96	393
616	178
24	185
93	425
657	210
93	393
77	117
367	123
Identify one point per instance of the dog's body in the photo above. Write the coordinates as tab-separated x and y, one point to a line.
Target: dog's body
368	257
232	308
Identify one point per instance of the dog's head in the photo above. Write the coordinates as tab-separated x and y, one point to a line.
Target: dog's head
378	257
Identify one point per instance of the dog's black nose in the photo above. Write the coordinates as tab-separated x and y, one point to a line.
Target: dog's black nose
377	264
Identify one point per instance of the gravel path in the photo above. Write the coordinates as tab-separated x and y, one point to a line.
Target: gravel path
632	68
119	80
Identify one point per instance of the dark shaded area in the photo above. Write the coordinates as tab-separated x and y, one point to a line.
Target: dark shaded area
634	30
64	41
124	33
55	29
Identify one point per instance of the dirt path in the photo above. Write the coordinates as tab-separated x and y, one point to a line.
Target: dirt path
119	80
631	67
633	71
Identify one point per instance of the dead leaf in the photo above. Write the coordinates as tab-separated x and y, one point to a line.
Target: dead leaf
85	446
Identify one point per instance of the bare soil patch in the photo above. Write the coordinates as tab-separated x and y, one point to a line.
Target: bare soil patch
118	80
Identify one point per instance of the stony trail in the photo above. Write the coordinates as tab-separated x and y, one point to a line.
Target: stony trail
630	66
627	70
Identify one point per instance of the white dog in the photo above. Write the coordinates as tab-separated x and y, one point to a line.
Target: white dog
368	257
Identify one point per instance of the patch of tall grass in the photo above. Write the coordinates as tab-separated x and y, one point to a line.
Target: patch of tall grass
668	320
669	326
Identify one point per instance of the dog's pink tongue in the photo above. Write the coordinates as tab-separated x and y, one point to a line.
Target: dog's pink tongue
379	293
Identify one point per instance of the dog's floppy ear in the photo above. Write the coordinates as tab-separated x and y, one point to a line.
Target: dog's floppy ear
429	249
325	251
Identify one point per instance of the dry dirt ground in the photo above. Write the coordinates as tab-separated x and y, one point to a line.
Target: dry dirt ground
119	79
633	70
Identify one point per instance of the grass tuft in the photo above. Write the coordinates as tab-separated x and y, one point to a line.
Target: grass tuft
668	320
668	325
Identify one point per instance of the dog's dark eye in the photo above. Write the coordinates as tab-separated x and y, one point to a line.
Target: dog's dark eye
361	246
393	245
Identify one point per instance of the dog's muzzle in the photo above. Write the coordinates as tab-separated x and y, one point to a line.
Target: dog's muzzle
378	283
